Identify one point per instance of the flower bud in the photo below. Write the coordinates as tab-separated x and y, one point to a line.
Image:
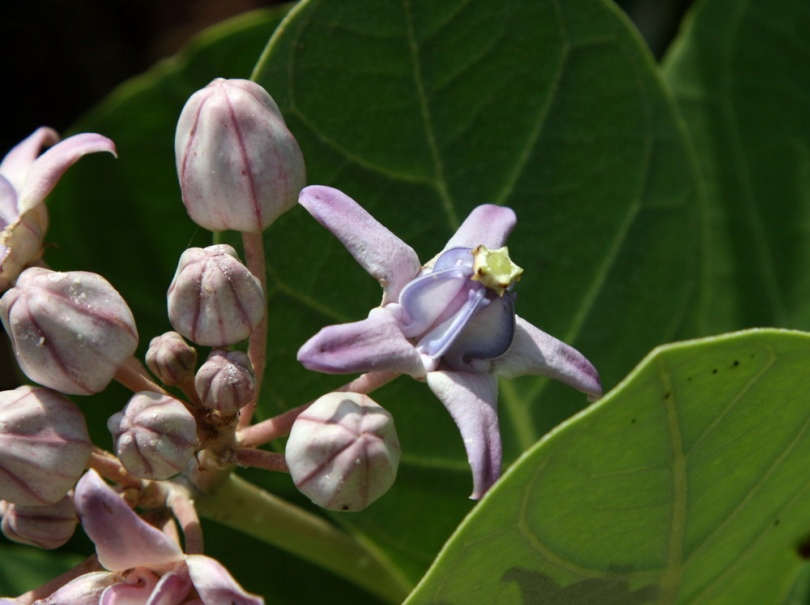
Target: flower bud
214	300
154	435
239	167
225	382
343	451
44	445
48	526
70	331
171	358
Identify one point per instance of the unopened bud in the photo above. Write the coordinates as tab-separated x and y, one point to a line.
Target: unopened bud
154	435
70	331
225	382
48	526
214	300
343	451
239	167
171	358
44	445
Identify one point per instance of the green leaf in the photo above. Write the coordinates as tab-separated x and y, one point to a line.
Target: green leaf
23	568
423	110
686	484
738	72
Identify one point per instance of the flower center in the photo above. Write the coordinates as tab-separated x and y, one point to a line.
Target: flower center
494	269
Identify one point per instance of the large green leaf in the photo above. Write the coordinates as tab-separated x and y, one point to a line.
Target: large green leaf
739	73
687	484
422	110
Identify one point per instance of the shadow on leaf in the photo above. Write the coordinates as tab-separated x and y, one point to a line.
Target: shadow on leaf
536	587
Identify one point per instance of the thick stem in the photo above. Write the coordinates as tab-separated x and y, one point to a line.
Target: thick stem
253	244
247	508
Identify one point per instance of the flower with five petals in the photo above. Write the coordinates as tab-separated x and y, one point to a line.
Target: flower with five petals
145	566
450	322
26	178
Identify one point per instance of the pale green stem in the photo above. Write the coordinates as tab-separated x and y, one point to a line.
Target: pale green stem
253	244
241	505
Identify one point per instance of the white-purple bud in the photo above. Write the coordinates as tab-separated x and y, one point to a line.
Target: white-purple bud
225	382
70	331
48	526
154	435
239	166
44	445
171	358
214	300
343	451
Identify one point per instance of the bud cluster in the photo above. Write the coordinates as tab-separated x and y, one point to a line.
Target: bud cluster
73	333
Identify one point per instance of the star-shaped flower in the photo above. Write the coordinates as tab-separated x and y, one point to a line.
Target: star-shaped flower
26	178
450	322
145	566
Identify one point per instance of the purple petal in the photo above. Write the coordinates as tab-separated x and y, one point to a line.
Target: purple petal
386	257
84	590
533	352
215	585
48	168
136	589
376	343
8	203
439	339
18	161
433	298
123	540
488	335
171	589
487	225
472	400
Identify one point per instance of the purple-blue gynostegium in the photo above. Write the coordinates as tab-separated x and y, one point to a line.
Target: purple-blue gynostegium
451	322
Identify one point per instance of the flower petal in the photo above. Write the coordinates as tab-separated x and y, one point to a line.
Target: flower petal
533	352
434	298
215	585
172	588
136	589
376	343
48	168
84	590
488	335
8	203
18	161
387	258
472	400
487	225
123	540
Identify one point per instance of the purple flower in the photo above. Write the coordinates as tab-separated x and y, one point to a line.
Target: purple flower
26	178
450	322
144	564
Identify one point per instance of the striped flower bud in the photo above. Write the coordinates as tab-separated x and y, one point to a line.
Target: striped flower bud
214	300
44	445
70	331
154	435
171	358
343	451
225	382
48	526
239	167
